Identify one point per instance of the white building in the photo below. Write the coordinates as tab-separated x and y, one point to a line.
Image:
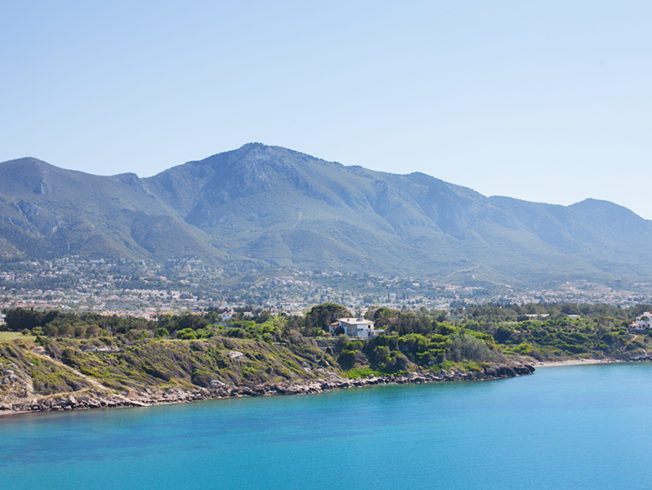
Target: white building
355	327
643	323
536	316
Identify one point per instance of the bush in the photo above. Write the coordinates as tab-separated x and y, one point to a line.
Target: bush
186	334
236	332
203	333
362	372
502	335
380	354
396	362
349	358
201	377
342	341
354	345
468	348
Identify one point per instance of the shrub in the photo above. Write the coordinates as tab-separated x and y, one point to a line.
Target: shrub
354	345
236	332
348	358
468	348
186	334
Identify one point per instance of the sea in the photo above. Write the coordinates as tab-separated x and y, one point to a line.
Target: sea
562	427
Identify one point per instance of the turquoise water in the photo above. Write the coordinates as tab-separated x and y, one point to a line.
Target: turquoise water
577	427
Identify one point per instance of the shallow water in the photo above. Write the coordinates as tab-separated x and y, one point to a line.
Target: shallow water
576	426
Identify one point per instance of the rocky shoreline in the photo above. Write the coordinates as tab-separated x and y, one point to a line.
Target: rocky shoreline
93	399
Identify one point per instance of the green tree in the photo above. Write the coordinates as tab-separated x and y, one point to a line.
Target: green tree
321	316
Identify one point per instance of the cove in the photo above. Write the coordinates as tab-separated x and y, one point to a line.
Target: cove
563	427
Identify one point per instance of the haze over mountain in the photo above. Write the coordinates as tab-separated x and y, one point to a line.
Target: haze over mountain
266	205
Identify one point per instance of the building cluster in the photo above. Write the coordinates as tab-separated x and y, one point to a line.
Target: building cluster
138	288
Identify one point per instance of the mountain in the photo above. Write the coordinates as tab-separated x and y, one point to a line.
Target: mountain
271	205
47	211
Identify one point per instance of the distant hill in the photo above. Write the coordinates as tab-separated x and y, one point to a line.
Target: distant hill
47	211
271	205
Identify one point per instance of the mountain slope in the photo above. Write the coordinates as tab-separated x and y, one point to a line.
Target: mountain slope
288	209
47	211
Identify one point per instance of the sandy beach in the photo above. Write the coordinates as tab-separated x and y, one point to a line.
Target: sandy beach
572	362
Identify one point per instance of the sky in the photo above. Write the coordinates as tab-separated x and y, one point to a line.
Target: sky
545	101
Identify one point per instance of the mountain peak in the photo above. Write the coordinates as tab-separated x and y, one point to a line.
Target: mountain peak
26	162
28	174
262	149
600	205
252	145
599	209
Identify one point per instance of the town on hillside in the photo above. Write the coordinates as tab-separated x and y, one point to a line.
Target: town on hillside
124	287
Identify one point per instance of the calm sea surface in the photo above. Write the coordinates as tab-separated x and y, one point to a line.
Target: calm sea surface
566	427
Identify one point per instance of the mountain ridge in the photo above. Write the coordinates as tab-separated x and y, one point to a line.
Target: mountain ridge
277	207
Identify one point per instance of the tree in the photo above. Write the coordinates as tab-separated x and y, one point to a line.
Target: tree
502	334
321	316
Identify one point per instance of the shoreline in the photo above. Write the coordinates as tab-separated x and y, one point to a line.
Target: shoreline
594	360
91	401
96	400
574	362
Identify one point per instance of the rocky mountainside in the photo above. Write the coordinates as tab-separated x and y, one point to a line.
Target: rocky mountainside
46	211
271	205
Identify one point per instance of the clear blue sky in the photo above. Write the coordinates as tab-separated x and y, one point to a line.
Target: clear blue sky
547	101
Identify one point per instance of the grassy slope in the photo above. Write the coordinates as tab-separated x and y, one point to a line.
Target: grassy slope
30	369
27	374
62	367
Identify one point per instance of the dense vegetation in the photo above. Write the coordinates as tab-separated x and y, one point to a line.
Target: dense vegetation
54	351
559	330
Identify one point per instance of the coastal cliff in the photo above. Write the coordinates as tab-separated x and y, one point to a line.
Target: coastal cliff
65	376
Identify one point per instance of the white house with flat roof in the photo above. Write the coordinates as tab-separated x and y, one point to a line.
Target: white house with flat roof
355	327
643	323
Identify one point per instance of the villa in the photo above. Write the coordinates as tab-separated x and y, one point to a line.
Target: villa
642	324
355	327
227	315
